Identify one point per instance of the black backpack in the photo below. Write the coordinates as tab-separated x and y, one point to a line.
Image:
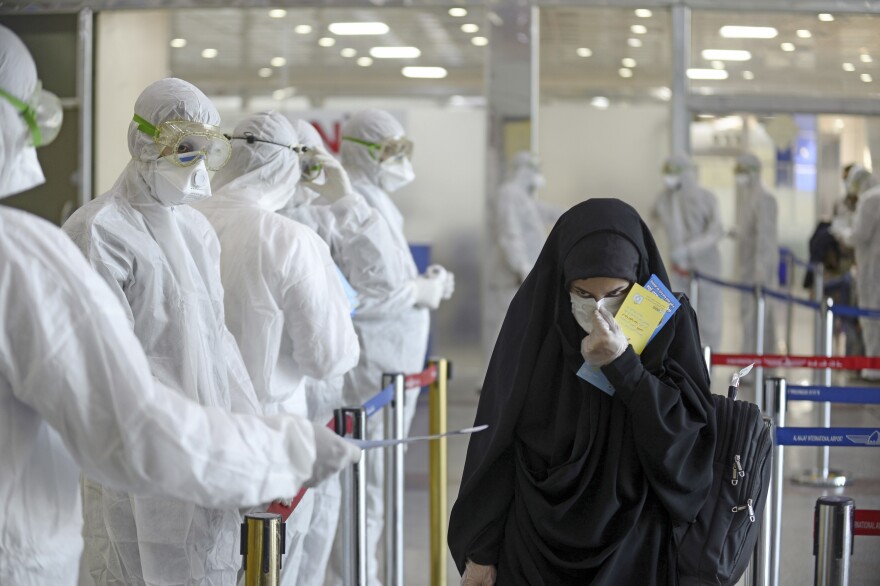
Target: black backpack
716	548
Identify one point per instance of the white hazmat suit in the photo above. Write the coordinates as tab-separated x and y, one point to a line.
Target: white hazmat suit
284	301
76	391
161	259
518	227
864	236
757	247
692	225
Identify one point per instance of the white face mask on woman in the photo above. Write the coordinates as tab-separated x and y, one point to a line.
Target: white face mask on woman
174	185
583	307
395	173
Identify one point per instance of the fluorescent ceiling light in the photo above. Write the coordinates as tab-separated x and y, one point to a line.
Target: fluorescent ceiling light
643	13
804	33
748	75
178	43
278	62
480	41
748	32
628	62
849	67
661	93
395	52
457	12
634	43
209	53
424	72
348	52
787	47
600	102
866	77
624	72
726	55
277	13
265	72
470	28
584	52
358	28
365	61
717	64
326	41
639	29
865	58
707	74
825	17
283	93
302	29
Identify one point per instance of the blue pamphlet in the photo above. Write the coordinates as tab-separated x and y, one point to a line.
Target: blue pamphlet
593	374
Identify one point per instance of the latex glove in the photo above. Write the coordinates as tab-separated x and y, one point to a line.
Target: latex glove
477	575
429	291
606	342
447	276
285	502
336	183
332	454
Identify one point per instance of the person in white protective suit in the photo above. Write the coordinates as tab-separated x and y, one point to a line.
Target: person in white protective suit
77	392
392	320
691	221
757	247
285	303
518	227
161	259
864	236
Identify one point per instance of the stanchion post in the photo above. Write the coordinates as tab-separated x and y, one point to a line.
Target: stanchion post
394	482
707	356
354	502
262	545
789	314
775	405
438	470
833	540
819	322
694	290
759	342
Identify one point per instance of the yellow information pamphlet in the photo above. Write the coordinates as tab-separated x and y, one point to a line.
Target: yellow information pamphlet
639	316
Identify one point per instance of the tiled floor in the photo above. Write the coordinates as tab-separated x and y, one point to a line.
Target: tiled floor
863	464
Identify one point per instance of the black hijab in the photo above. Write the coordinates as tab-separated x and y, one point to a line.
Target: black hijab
568	484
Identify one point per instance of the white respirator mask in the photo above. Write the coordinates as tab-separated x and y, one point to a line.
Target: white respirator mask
672	181
583	308
742	179
174	185
396	173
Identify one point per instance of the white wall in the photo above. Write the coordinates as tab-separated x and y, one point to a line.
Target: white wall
131	52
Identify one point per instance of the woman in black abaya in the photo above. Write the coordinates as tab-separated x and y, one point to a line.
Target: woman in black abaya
570	485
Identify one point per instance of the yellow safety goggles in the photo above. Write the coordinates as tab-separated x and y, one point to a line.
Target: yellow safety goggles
389	148
189	142
42	113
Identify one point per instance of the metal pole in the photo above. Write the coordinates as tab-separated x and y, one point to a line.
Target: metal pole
437	463
833	540
84	89
707	356
681	53
394	482
819	321
354	502
776	403
262	545
789	314
347	510
759	343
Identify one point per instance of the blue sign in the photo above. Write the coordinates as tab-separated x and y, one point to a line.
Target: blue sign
384	397
828	436
817	394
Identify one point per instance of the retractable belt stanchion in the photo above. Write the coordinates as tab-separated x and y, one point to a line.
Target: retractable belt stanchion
775	404
707	356
789	308
354	501
394	482
833	540
438	471
760	311
262	545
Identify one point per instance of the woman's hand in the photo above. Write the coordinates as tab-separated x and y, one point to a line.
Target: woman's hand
606	342
477	575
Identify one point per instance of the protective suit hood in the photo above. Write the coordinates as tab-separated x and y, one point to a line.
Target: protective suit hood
19	168
308	137
372	125
264	173
859	180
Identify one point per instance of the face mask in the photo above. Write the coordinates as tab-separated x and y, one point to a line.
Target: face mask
19	168
538	182
583	307
396	173
742	179
671	181
174	185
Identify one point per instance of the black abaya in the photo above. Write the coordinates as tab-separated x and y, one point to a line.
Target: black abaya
569	485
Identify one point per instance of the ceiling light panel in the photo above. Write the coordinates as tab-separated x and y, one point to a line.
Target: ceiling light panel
424	72
358	28
748	32
710	74
726	55
395	52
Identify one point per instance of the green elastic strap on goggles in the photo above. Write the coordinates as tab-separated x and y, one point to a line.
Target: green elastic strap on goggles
370	145
30	116
145	126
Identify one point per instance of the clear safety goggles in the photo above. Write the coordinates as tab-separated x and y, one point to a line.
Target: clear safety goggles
310	170
189	142
389	148
741	170
672	169
42	113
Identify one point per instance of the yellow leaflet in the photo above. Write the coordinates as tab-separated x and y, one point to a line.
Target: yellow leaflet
640	315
